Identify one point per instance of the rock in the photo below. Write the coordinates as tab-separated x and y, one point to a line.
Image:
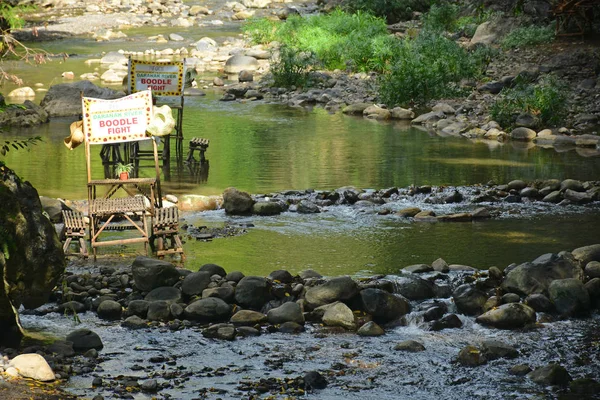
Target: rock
218	82
21	93
239	63
245	76
527	120
265	208
337	289
402	113
134	322
84	340
248	317
225	293
539	302
197	10
110	310
236	202
553	197
220	331
410	346
112	76
578	197
25	115
418	268
535	277
516	185
508	316
569	297
376	112
339	315
586	254
370	329
234	276
253	292
443	107
138	308
159	310
175	37
523	134
52	207
572	184
164	293
469	300
33	366
470	356
450	321
428	117
384	306
149	386
355	109
409	212
414	288
192	202
550	375
436	311
211	309
308	207
33	268
64	100
61	348
213	269
314	380
309	274
282	276
287	312
520	370
114	57
440	265
511	298
493	349
195	283
585	387
150	273
493	87
291	327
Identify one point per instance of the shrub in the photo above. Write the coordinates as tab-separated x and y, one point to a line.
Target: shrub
261	30
426	68
441	17
545	99
392	10
528	36
292	68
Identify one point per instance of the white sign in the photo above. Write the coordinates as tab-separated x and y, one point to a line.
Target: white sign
163	78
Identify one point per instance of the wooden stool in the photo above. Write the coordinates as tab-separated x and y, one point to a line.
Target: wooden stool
74	229
166	226
197	144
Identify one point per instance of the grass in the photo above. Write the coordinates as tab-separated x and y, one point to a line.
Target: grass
528	36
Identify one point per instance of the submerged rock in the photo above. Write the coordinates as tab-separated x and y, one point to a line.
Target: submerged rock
551	374
508	316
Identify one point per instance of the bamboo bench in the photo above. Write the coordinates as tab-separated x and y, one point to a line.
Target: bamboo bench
199	144
165	225
74	229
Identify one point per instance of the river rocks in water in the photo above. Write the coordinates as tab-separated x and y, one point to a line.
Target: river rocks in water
220	331
253	292
138	308
469	300
410	346
536	276
234	276
150	273
72	307
471	356
159	311
211	309
64	100
523	134
418	268
551	374
109	309
307	207
384	306
282	276
25	115
266	208
520	370
508	316
409	212
493	349
569	297
84	340
309	274
248	317
33	366
370	329
402	113
236	202
586	254
450	321
239	63
165	293
287	312
213	269
195	283
592	269
341	315
435	312
225	293
440	265
510	298
355	109
337	289
413	287
134	322
193	202
585	387
539	302
313	380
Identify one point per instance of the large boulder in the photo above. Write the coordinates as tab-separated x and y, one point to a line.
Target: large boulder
287	312
84	340
64	100
337	289
253	292
536	276
384	306
236	202
586	254
31	259
549	375
150	273
508	316
210	309
341	315
248	318
33	366
25	115
569	297
469	300
238	63
414	288
195	283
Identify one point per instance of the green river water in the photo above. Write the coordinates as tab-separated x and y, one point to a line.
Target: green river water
262	148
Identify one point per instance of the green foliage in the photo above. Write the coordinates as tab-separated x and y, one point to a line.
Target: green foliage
528	36
441	17
293	67
392	10
545	99
261	30
10	15
18	144
428	67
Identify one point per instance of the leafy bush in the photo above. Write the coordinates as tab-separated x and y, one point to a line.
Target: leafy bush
426	68
392	10
261	30
545	99
292	68
528	36
441	17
